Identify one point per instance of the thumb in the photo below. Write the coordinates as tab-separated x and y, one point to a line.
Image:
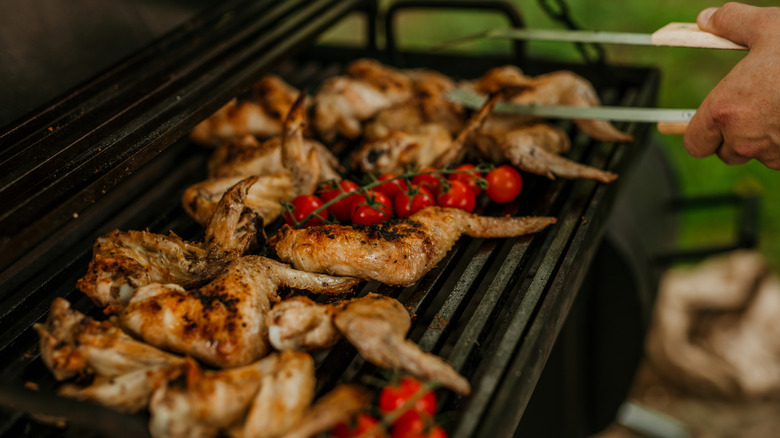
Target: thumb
736	22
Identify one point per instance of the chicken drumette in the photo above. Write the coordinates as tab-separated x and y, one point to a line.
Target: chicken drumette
396	252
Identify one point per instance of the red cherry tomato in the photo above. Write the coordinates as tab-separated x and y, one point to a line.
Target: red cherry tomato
457	195
470	178
368	212
407	204
430	181
363	423
504	184
341	209
302	206
417	425
393	396
391	188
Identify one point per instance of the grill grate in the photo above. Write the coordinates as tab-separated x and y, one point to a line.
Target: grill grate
492	307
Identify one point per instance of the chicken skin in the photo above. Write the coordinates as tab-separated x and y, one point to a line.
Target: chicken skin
123	261
223	322
375	325
344	102
292	165
125	371
261	116
396	252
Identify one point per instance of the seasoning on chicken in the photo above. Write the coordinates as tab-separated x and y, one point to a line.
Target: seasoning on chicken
375	325
293	166
556	88
396	252
262	115
344	102
223	322
126	371
123	261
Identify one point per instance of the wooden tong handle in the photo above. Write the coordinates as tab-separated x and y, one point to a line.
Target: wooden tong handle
672	128
689	35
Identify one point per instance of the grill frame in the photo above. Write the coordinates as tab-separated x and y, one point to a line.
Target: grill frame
512	318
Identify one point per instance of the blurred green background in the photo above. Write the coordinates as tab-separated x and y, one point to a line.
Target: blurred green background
687	77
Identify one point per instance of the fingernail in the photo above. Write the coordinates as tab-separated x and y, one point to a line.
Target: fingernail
704	16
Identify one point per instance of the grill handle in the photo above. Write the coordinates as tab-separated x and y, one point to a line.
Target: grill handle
508	10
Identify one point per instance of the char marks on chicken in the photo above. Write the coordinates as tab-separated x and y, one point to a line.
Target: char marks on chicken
396	252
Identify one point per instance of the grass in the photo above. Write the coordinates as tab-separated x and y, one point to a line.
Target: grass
687	76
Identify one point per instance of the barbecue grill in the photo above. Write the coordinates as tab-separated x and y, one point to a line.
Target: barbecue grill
113	153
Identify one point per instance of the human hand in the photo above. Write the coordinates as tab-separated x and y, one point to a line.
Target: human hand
740	118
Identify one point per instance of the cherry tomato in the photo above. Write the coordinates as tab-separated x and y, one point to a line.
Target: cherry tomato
417	425
341	208
363	423
430	181
470	178
504	184
368	212
457	195
302	206
407	204
393	396
391	188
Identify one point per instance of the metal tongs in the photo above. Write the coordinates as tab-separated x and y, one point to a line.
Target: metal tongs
669	121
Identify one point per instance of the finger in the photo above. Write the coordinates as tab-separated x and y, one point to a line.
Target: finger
702	137
727	155
736	22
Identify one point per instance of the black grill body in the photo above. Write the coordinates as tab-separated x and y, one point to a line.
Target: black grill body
117	156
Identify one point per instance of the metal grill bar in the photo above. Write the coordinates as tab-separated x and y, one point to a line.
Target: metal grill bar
111	150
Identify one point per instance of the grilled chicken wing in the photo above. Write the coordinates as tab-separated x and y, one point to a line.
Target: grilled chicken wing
125	260
534	148
556	88
223	322
261	116
344	102
374	324
377	327
126	371
285	167
72	343
395	252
